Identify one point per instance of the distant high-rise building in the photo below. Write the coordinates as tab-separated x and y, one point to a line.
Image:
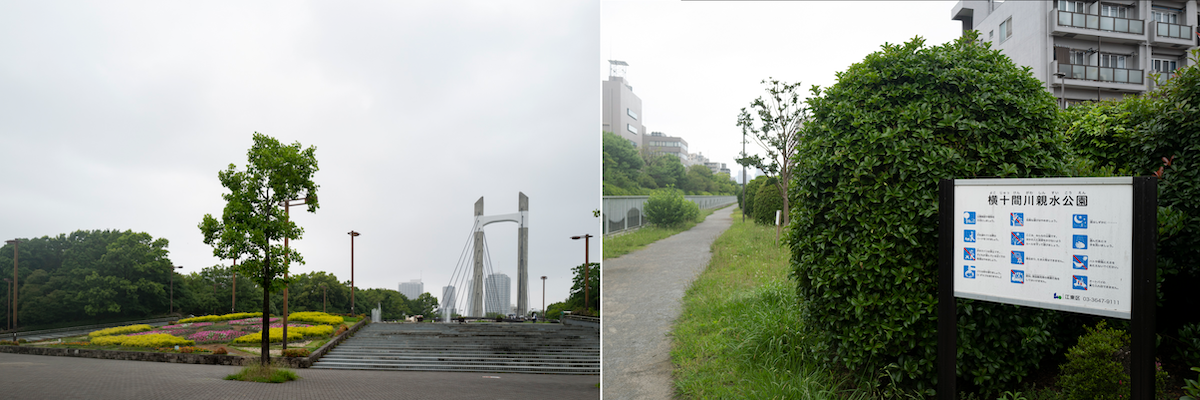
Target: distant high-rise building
412	289
497	294
622	110
447	302
658	143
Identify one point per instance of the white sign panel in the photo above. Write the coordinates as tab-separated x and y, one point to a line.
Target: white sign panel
1057	243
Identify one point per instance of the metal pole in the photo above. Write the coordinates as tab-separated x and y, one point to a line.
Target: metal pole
16	243
587	302
352	235
543	298
743	178
324	297
287	216
233	304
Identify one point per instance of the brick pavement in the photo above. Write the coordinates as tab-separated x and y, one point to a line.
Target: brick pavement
45	377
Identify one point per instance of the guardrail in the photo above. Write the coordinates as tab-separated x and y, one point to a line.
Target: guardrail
623	213
84	327
581	320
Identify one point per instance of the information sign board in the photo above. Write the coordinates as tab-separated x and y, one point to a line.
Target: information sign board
1056	243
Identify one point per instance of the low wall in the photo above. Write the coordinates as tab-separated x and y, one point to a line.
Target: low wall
182	358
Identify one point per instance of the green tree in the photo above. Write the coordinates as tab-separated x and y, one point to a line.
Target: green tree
666	170
766	202
575	301
253	223
778	130
864	229
425	304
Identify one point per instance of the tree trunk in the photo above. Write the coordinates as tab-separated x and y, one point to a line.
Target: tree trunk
266	316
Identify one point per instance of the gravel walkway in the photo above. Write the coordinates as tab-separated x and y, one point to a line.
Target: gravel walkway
641	300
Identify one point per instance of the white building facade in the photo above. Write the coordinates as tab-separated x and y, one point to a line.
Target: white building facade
412	289
497	294
1088	50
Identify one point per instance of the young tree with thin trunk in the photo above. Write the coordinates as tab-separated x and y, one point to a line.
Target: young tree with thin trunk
778	130
254	225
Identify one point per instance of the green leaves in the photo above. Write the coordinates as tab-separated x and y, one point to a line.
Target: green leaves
668	207
864	231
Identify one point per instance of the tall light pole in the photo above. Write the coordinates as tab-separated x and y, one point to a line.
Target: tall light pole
1062	87
233	302
743	177
173	268
16	243
287	216
8	288
352	235
543	298
587	300
324	297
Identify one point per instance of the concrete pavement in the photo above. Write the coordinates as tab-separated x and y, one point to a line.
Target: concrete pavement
46	377
641	300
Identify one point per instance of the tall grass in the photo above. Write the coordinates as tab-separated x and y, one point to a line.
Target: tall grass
739	336
623	244
254	371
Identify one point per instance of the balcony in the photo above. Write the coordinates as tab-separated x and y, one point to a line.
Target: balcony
1178	36
1102	74
1072	24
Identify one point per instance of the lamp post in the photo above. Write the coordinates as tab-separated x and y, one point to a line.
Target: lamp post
352	235
1062	88
287	215
173	268
8	289
16	244
233	302
543	298
587	300
324	297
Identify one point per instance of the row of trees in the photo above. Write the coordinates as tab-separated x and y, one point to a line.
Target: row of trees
114	275
630	172
863	199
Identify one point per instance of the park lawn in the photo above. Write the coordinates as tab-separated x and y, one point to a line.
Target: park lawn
736	336
622	244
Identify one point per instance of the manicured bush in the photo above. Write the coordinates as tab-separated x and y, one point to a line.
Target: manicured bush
221	350
155	340
865	208
668	207
751	189
301	352
8	343
226	317
120	330
317	317
1094	370
766	202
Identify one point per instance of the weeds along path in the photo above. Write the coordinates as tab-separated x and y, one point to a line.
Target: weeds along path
640	301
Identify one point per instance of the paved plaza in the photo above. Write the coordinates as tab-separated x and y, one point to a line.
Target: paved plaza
48	377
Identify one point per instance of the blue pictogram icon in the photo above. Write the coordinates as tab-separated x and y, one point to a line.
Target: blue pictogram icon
1056	296
1079	221
969	217
1079	242
1079	282
1018	257
1018	238
969	253
1079	261
1018	276
1016	219
969	271
969	235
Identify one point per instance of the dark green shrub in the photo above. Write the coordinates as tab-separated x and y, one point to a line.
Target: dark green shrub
300	352
1189	344
1191	387
766	202
751	188
668	207
1094	369
864	210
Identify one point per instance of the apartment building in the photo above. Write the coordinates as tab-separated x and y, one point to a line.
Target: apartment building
658	143
1088	50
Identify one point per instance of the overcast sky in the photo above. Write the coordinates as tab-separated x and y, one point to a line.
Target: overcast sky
695	65
119	115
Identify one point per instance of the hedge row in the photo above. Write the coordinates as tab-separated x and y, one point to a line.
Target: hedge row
317	317
214	318
120	330
294	333
152	340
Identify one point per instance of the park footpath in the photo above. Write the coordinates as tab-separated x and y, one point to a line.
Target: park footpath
642	297
24	376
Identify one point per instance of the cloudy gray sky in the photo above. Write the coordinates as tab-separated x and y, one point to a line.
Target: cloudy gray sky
118	115
695	65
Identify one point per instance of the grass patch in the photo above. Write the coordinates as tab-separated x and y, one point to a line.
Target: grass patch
256	372
738	334
617	246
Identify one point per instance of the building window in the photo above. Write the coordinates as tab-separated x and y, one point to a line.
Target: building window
991	34
1005	29
1163	65
1163	14
629	111
631	128
1112	61
1112	10
1070	6
1078	57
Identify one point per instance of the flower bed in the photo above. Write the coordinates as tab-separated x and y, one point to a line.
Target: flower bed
214	318
120	330
215	336
276	334
317	317
153	340
253	321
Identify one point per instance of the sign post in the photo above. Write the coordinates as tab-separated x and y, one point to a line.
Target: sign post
1083	245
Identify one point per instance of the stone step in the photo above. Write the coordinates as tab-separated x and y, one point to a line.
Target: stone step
455	368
